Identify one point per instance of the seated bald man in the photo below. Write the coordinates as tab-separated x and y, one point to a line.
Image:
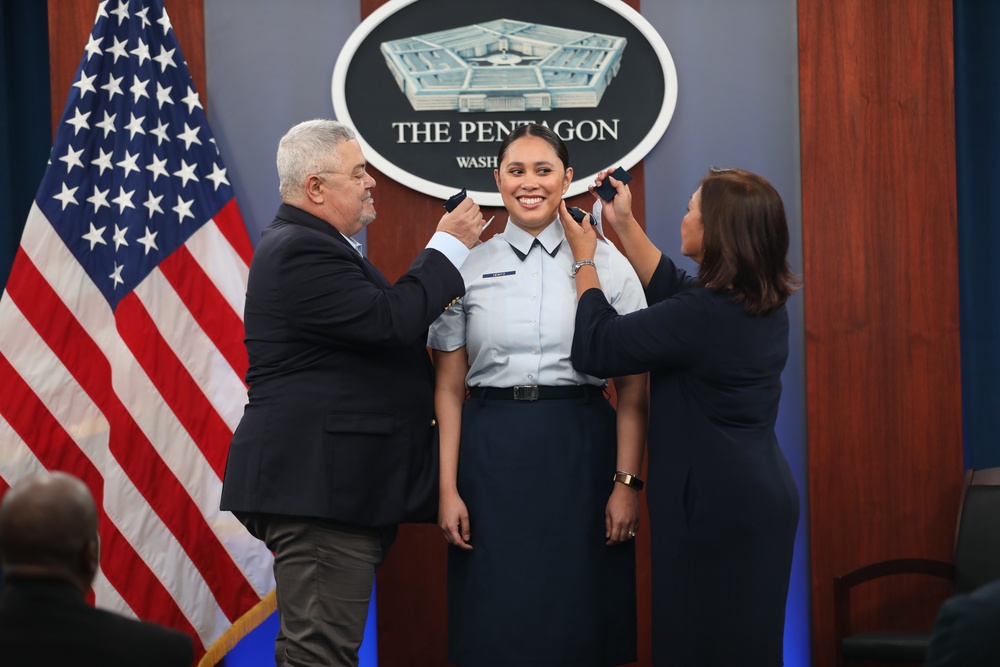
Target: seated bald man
49	553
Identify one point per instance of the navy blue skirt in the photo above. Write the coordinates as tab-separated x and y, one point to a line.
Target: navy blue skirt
540	586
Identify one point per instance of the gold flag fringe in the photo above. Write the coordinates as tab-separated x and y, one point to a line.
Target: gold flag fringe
243	626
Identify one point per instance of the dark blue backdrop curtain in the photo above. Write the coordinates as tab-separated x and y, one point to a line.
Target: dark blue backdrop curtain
25	117
977	120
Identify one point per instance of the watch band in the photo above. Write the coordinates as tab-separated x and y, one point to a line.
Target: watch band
580	264
628	479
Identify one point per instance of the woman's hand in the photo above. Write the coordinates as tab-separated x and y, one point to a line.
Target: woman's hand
582	236
618	210
453	518
621	517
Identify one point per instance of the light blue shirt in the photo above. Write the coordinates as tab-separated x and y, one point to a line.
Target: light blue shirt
517	316
354	244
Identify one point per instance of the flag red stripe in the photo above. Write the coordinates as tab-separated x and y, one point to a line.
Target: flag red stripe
179	390
128	444
230	223
46	437
209	308
56	450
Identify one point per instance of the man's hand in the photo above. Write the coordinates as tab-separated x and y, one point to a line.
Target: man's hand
464	223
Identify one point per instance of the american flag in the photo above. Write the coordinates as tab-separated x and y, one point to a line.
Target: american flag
121	353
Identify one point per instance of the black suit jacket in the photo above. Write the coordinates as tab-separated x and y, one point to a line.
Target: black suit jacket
45	622
967	630
340	422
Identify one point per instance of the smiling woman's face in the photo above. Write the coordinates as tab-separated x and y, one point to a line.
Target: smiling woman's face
532	181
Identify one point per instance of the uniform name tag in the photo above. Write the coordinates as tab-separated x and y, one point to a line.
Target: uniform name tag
498	275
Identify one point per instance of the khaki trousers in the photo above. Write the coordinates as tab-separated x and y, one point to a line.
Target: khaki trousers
324	573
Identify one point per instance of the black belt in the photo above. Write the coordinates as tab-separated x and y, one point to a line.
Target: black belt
534	392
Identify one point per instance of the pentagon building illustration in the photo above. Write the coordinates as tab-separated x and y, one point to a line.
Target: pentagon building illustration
504	65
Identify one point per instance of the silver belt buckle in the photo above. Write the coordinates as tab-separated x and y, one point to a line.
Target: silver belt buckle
526	392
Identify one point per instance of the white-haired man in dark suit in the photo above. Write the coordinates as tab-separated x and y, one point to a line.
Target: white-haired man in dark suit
338	443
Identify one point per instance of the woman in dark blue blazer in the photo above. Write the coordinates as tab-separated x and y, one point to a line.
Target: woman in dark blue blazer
723	506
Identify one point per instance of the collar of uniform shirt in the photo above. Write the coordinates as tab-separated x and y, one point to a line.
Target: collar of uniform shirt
521	241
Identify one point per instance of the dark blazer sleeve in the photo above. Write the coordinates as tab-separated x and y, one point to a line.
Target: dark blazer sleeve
667	334
667	281
332	295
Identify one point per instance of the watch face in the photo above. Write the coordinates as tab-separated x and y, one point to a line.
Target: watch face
628	479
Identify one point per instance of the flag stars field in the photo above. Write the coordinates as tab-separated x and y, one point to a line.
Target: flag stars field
121	160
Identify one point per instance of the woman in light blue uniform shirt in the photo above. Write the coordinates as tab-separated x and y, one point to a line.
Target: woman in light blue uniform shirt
541	563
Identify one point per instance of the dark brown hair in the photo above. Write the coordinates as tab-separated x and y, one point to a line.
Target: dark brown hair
745	240
535	130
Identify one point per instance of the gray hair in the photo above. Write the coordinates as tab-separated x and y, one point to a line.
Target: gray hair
307	149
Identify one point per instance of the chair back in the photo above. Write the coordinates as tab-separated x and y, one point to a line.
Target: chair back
977	539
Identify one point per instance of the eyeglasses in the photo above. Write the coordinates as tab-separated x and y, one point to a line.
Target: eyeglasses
361	176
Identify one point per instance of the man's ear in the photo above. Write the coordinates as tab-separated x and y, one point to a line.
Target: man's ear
314	188
91	557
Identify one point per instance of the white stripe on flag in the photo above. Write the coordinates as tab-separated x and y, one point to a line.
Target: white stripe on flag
17	461
106	597
201	358
223	265
123	503
144	403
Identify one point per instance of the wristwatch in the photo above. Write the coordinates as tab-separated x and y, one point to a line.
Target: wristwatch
628	479
582	263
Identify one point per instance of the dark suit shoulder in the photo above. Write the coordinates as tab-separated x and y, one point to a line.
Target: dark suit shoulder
155	644
284	232
47	623
292	225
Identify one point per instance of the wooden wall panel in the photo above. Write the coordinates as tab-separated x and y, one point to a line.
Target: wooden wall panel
412	583
70	23
881	299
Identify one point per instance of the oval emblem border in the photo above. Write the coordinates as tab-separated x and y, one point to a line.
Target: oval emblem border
580	183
